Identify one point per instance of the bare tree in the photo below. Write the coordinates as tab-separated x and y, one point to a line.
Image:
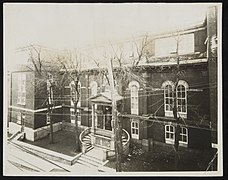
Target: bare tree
42	62
71	66
122	73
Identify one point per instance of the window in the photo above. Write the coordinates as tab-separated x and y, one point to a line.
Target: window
181	99
50	88
19	116
135	129
73	93
134	88
48	119
166	46
72	116
93	86
169	134
21	88
79	117
168	97
183	141
181	96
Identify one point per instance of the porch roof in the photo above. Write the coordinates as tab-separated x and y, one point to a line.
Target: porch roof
105	98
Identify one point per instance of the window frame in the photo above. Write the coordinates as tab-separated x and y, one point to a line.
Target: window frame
72	116
134	129
169	113
186	45
79	87
19	118
185	85
21	96
93	86
181	142
135	96
169	140
50	94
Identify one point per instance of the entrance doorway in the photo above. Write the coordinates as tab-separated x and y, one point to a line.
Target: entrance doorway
104	117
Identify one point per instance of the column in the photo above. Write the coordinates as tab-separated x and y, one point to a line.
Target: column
93	118
112	142
93	124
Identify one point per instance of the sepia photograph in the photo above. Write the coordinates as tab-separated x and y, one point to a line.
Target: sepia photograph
116	89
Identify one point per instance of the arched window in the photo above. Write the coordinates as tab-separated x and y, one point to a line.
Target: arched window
169	134
134	88
168	97
50	93
73	96
181	97
73	93
21	99
93	87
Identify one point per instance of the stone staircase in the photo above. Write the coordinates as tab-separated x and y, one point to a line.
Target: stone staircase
87	140
92	159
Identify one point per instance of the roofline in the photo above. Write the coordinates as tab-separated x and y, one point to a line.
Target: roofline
179	32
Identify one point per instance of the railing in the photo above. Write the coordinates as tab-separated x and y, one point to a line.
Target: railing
126	144
81	136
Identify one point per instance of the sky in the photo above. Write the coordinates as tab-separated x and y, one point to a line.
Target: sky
68	26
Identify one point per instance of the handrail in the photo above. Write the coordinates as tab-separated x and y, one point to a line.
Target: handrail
128	137
83	133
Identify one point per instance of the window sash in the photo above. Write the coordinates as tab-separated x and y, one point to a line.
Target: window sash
181	98
134	99
183	135
19	117
21	98
135	129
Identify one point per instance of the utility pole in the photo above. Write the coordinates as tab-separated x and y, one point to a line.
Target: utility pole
175	108
117	128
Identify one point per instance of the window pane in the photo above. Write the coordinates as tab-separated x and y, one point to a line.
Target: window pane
184	109
136	131
183	94
136	125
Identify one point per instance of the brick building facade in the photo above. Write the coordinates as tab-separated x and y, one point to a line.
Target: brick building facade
148	99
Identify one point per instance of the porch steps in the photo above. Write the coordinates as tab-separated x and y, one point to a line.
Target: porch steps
92	158
87	140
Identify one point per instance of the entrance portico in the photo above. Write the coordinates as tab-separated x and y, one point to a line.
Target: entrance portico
102	130
101	135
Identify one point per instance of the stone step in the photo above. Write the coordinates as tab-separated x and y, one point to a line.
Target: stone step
90	148
89	158
87	137
86	140
95	153
88	163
